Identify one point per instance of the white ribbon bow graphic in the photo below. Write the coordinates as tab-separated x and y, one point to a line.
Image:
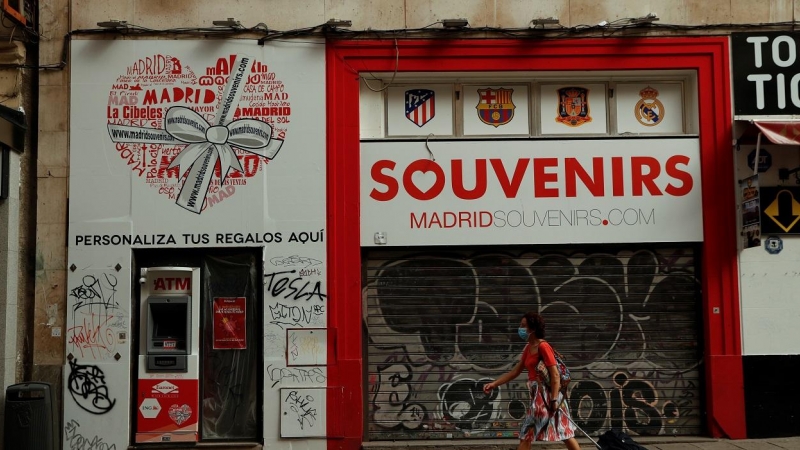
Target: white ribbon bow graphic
206	143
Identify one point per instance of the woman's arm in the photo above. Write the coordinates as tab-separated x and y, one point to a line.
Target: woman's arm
555	381
555	386
547	355
505	378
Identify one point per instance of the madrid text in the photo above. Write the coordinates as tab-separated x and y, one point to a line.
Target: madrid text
533	218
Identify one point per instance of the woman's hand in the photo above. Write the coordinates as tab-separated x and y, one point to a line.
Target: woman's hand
489	386
552	406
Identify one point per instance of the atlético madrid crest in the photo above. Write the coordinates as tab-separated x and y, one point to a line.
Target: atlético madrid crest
649	110
573	106
420	106
495	106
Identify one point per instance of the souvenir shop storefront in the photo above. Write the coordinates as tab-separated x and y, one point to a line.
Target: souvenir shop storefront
588	180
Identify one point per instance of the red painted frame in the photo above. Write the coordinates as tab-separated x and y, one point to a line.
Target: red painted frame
708	56
16	12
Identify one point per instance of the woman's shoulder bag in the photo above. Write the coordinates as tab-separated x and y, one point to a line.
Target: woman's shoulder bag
563	370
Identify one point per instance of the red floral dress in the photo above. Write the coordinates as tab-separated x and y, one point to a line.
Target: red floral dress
539	424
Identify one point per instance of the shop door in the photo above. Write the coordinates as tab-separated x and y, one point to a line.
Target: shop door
230	370
441	324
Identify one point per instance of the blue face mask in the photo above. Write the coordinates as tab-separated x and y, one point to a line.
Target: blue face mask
523	333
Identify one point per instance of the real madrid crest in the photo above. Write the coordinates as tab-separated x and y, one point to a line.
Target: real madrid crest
649	111
495	106
573	106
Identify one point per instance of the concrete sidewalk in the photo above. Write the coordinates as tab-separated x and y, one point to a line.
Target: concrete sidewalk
791	443
651	443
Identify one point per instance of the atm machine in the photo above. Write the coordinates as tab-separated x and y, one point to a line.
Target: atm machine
168	394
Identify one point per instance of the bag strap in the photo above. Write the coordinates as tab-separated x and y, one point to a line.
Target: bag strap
556	354
539	349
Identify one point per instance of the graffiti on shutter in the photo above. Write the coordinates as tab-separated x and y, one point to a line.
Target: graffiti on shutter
442	324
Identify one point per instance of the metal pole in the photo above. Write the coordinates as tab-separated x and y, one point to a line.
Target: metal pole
563	400
758	150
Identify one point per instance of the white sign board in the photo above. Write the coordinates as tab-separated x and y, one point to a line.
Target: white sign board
303	412
195	144
306	347
531	192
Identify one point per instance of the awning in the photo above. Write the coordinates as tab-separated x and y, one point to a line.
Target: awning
785	132
782	132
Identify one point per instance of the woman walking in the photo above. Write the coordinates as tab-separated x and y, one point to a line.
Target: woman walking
548	415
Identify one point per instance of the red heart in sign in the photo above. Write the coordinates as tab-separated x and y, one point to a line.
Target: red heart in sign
180	414
197	137
423	179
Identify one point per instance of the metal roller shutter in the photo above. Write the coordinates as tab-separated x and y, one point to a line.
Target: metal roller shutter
440	324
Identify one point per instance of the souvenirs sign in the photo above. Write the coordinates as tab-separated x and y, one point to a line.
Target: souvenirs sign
533	192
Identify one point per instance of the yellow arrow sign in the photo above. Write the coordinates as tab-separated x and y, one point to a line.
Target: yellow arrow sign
783	210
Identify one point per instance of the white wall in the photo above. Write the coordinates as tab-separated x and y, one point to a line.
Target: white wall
121	187
770	283
9	279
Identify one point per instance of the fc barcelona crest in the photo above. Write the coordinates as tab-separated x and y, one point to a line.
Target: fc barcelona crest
573	106
649	110
420	106
495	106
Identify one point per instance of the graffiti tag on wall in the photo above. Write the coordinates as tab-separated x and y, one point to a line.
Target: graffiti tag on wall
439	324
88	388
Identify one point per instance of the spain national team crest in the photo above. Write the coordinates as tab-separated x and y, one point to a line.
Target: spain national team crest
495	106
420	106
649	111
573	106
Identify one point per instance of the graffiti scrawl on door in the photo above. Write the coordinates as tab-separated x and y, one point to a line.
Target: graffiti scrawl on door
443	324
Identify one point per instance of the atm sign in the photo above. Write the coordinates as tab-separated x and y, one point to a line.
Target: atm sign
170	344
183	284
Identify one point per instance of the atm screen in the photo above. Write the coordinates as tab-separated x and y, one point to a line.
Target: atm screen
169	320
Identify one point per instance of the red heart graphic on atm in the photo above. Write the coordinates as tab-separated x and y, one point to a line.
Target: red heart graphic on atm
180	414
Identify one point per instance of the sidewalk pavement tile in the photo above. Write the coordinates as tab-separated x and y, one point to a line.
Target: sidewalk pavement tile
755	445
681	446
718	445
790	443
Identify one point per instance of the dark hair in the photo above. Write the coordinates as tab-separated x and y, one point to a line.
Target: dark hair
535	323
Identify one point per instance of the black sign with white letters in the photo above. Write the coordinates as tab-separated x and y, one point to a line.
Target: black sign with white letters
766	73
